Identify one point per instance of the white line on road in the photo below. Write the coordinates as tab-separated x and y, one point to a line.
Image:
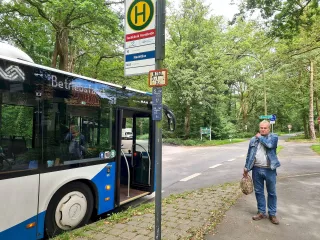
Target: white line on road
231	160
214	166
302	175
190	177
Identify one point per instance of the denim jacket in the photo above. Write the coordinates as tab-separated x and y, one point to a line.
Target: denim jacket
270	142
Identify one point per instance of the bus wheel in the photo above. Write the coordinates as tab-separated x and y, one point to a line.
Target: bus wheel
70	207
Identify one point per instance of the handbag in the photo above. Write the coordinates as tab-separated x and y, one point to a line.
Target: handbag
246	185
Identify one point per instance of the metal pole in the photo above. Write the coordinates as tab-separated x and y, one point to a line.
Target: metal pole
160	54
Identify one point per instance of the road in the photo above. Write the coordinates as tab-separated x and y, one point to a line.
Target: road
188	168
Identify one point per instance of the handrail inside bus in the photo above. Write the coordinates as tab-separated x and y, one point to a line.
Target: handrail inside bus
128	172
148	158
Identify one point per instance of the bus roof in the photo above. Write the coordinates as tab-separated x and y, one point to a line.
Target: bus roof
70	74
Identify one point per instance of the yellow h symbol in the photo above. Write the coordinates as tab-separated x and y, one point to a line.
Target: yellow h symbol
143	13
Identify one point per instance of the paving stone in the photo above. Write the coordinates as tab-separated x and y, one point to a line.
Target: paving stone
182	211
172	224
116	231
183	227
99	236
128	235
110	237
185	222
170	214
143	231
134	223
145	224
129	228
119	226
141	237
173	219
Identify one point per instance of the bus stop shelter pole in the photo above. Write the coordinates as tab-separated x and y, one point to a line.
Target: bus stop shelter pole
160	54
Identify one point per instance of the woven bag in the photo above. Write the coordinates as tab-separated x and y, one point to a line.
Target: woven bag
246	185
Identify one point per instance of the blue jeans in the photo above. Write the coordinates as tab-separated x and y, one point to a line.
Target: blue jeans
259	175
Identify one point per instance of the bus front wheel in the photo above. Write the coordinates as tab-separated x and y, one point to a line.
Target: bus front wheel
70	207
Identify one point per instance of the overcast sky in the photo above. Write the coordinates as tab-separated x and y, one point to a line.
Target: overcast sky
223	7
220	7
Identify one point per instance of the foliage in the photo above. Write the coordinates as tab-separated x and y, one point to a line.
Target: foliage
286	17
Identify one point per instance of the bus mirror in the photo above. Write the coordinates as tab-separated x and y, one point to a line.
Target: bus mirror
171	118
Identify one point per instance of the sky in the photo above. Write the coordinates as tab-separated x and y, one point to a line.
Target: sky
223	7
220	7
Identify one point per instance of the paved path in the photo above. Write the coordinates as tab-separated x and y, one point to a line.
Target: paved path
298	188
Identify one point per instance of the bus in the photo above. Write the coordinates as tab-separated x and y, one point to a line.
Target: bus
62	155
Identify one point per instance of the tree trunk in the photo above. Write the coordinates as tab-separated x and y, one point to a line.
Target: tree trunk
63	41
55	53
187	122
316	97
311	116
305	126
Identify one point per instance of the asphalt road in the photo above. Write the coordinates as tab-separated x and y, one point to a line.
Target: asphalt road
189	168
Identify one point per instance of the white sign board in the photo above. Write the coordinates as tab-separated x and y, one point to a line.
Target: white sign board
140	36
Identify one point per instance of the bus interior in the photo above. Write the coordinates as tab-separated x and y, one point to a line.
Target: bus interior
136	165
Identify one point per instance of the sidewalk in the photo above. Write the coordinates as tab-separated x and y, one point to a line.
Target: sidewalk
184	216
298	189
298	212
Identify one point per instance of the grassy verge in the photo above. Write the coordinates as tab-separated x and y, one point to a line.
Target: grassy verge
197	142
316	148
279	148
301	138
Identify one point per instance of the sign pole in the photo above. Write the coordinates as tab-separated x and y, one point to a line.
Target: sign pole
160	54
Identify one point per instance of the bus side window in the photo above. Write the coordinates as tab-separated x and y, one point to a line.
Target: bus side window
75	132
18	149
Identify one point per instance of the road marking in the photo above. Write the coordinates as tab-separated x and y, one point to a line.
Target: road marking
301	175
217	165
231	160
243	155
190	177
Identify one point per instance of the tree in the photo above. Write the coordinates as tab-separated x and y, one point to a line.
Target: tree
62	21
194	69
286	17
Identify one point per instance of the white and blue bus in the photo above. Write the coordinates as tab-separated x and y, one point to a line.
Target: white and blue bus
62	156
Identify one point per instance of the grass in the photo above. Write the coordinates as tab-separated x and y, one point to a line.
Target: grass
198	142
143	137
279	148
301	138
316	148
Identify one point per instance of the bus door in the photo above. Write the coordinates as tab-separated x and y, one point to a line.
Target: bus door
135	171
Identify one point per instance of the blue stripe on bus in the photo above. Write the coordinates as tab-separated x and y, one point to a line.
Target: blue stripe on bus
101	180
41	217
20	231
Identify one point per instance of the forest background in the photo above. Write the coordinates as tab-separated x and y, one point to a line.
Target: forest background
219	70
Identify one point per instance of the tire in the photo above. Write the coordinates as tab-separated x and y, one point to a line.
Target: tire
74	198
